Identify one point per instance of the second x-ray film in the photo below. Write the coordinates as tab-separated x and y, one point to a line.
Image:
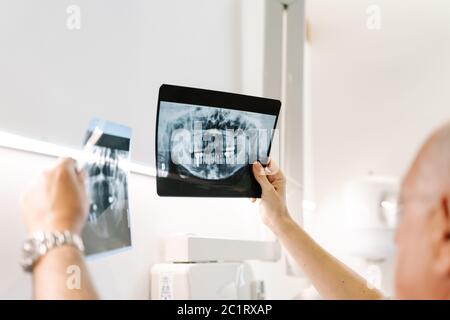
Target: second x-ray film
107	157
207	141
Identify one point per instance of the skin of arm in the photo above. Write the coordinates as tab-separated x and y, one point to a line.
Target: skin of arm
51	276
57	201
331	278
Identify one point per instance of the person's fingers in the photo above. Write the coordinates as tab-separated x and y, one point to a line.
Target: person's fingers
82	176
67	162
273	171
273	166
253	200
68	165
261	176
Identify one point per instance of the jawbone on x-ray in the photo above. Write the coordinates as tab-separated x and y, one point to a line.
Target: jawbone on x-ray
107	149
211	147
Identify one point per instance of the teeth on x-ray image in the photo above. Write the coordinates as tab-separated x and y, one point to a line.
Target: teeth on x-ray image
203	151
210	143
107	148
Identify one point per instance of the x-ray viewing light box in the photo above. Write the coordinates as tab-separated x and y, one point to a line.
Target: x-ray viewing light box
17	142
207	140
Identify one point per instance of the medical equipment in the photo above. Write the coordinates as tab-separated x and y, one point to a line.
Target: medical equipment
210	268
371	216
371	220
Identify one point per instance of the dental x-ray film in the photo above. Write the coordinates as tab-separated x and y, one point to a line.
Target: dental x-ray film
206	142
106	162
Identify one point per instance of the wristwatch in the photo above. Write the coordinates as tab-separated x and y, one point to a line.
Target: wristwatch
42	242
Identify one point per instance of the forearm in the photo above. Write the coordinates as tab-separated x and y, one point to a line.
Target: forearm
331	278
62	274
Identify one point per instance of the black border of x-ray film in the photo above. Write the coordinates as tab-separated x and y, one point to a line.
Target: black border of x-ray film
217	99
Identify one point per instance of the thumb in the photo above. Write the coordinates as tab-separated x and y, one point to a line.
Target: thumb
82	176
261	176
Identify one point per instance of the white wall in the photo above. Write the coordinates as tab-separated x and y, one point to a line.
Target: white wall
240	34
54	80
374	95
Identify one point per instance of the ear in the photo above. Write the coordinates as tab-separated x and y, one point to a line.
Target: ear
446	215
441	217
444	246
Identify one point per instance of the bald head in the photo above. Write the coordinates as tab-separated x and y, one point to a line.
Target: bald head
429	175
423	237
